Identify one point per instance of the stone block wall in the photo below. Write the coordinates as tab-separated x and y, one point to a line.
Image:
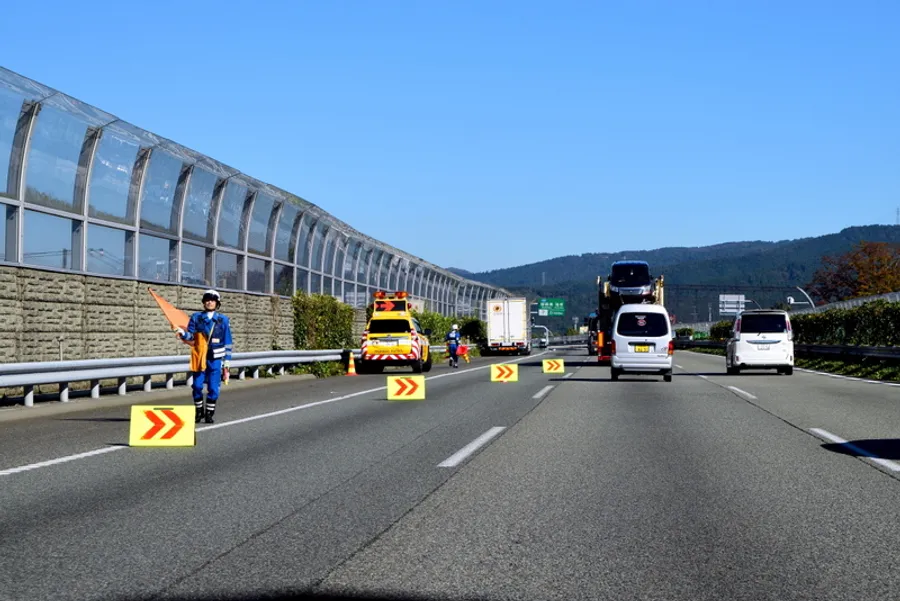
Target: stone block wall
45	316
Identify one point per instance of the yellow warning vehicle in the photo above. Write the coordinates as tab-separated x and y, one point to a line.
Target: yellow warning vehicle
393	337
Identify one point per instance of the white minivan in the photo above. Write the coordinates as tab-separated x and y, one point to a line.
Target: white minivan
762	339
642	341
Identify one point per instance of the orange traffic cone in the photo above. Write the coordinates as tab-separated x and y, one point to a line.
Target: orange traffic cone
351	367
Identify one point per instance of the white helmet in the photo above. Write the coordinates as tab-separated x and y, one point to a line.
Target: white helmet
455	327
212	295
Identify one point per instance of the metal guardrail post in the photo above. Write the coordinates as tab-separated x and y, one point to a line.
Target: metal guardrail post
123	386
148	383
29	396
64	392
170	381
95	389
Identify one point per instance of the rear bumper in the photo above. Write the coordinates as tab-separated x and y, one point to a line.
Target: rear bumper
763	360
642	364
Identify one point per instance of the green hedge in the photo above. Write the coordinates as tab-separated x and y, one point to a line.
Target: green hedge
873	324
321	322
471	329
721	330
685	331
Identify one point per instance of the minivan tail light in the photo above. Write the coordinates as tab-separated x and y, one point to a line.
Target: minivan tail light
790	332
612	349
671	347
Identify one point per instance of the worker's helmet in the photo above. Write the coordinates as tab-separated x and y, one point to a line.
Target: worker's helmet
455	327
212	295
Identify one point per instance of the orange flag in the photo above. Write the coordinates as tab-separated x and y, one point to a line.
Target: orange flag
177	318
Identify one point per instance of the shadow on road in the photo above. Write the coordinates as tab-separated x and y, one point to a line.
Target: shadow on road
94	419
885	448
724	373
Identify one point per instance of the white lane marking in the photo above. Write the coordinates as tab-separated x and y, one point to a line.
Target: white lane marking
568	375
704	377
461	455
678	366
542	392
252	418
894	467
58	460
851	378
742	392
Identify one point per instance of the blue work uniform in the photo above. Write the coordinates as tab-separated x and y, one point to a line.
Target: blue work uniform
453	340
218	332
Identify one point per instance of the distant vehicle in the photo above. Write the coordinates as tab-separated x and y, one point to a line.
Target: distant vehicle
629	282
761	339
393	337
508	329
642	341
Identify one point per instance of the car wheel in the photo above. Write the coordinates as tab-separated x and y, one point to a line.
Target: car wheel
417	366
789	371
614	374
427	367
667	377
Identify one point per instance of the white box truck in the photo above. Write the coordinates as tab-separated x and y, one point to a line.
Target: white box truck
508	327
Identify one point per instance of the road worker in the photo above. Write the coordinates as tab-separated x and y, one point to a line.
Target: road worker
209	334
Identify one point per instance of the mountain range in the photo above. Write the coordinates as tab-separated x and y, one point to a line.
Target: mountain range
765	272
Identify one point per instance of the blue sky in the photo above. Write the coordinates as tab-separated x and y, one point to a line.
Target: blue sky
512	131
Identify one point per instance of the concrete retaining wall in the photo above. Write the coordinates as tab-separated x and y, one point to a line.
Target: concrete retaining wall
45	316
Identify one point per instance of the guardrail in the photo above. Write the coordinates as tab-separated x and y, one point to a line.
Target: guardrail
63	373
814	350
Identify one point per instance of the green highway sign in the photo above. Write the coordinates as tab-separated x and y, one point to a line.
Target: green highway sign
552	307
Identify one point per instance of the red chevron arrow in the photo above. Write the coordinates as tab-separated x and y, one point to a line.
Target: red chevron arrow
158	425
503	372
175	420
413	385
402	386
554	365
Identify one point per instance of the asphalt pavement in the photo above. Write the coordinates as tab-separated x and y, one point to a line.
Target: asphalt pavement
708	487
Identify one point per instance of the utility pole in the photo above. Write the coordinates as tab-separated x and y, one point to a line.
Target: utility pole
543	278
710	312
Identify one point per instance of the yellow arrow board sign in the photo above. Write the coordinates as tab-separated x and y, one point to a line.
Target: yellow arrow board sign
406	388
554	366
505	373
162	426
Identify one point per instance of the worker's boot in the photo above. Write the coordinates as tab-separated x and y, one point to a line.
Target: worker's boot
198	413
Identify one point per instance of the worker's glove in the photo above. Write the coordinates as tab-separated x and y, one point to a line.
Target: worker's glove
180	332
227	365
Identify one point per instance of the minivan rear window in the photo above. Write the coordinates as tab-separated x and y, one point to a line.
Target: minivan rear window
761	323
630	275
388	326
646	325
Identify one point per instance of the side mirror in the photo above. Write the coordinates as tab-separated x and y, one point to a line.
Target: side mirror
428	331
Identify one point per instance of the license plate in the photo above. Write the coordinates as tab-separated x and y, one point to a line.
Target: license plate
641	348
762	347
387	342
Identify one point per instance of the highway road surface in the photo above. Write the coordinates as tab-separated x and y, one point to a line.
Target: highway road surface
554	487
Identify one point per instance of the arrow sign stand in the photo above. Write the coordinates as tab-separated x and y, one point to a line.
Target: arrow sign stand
505	373
554	366
406	388
153	426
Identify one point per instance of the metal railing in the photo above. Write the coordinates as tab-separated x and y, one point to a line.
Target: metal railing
63	373
812	350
